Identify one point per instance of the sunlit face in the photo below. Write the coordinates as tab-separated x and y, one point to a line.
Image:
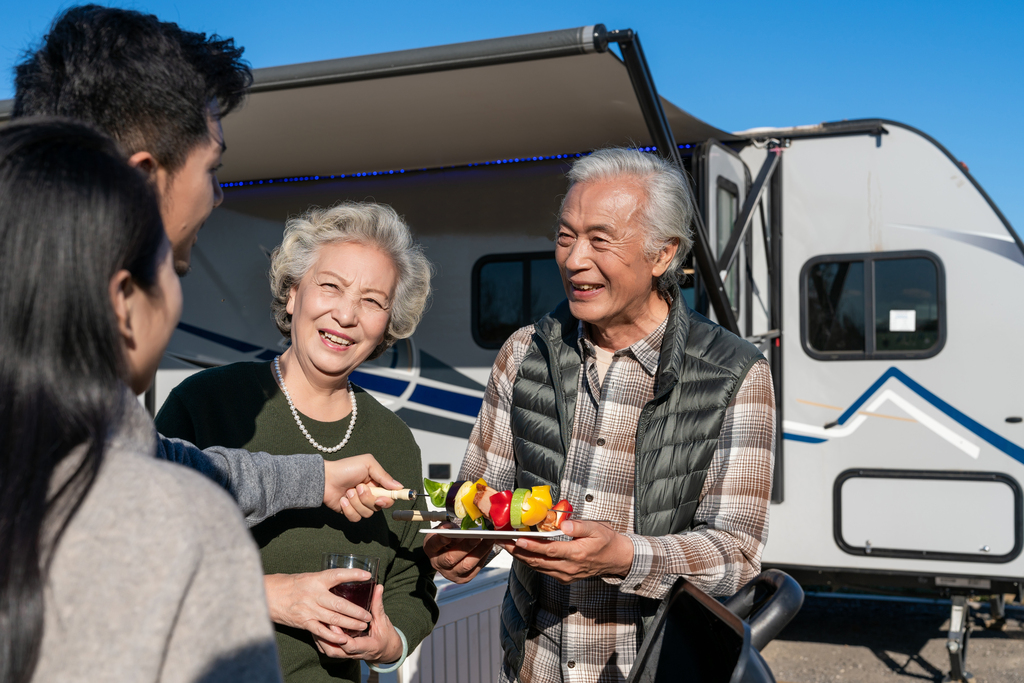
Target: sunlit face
190	194
341	308
609	281
154	315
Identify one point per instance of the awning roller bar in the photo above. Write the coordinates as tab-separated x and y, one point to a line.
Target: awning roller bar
563	43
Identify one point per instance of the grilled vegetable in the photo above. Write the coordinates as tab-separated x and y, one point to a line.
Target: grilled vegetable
436	491
555	516
501	504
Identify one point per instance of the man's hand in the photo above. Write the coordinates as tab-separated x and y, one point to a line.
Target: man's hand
381	645
347	482
595	550
457	560
305	601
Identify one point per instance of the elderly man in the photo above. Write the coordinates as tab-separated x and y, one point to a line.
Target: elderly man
656	424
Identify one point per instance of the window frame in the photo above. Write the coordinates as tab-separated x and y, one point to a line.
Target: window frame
870	351
521	256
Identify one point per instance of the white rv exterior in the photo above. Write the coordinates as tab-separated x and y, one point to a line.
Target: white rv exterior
906	466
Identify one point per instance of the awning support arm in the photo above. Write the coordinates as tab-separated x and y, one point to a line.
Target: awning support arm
664	141
746	216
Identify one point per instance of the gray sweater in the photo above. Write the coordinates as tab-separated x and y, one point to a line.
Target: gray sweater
262	484
155	578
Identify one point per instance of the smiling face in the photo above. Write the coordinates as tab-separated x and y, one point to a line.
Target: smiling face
340	310
609	281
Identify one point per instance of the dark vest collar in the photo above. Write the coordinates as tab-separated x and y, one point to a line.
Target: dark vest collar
561	326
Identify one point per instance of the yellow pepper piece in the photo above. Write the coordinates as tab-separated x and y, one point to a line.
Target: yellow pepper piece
534	511
543	494
468	501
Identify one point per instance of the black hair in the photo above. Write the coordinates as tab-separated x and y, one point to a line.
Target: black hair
72	215
146	83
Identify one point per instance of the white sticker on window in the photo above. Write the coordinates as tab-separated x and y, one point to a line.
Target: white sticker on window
903	321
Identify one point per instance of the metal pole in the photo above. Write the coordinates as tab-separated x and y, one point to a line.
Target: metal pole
664	140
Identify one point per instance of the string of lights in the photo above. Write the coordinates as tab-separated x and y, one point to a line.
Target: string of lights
364	174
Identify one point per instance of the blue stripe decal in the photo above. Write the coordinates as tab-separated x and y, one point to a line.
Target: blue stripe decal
801	438
447	400
1006	446
384	385
243	347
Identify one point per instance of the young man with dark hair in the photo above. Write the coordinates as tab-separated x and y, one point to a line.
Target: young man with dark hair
160	92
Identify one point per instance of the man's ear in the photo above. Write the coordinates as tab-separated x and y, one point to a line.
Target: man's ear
122	290
664	258
145	162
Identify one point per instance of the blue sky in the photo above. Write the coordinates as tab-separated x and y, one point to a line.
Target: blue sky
952	69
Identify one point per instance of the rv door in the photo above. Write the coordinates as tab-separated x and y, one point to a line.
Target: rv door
723	181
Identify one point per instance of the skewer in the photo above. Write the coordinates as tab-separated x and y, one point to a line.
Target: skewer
419	515
399	494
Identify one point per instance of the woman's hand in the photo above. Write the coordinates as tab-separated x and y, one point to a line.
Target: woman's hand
381	646
347	482
305	601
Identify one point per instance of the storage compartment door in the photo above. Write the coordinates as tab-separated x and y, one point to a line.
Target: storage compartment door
962	516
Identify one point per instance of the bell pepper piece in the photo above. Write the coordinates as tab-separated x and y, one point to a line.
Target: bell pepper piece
500	510
436	491
543	494
534	511
468	498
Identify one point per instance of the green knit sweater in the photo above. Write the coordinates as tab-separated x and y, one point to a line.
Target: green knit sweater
240	406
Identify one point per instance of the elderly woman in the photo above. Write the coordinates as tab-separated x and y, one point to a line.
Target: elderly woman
347	283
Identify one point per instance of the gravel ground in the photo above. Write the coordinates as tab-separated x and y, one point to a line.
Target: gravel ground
858	640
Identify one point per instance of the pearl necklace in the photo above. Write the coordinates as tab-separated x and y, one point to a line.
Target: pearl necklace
298	420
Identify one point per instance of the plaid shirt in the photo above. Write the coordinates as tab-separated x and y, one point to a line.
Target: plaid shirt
589	631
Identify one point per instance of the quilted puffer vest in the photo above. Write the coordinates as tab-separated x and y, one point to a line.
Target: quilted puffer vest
700	371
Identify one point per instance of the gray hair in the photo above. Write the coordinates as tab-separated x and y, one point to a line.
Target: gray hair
667	209
366	223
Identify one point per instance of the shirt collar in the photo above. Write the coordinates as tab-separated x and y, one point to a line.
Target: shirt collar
646	351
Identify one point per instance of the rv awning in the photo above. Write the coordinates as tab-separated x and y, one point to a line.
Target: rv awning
440	106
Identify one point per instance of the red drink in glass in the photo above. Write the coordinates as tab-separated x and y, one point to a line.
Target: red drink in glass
358	593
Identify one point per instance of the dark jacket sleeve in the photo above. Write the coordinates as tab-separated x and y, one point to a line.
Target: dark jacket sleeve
262	484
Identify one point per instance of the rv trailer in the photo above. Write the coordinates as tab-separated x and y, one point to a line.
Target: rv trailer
859	255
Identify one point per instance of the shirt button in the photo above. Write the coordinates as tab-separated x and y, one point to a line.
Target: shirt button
589	498
600	442
570	664
572	609
637	587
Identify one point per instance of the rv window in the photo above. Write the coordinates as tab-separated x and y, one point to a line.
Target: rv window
878	305
906	304
727	207
835	307
510	291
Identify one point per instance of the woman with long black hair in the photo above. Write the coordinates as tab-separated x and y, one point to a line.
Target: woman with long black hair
113	566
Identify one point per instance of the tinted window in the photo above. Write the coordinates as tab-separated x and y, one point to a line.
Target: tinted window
500	300
835	306
906	305
878	305
510	291
546	290
726	210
